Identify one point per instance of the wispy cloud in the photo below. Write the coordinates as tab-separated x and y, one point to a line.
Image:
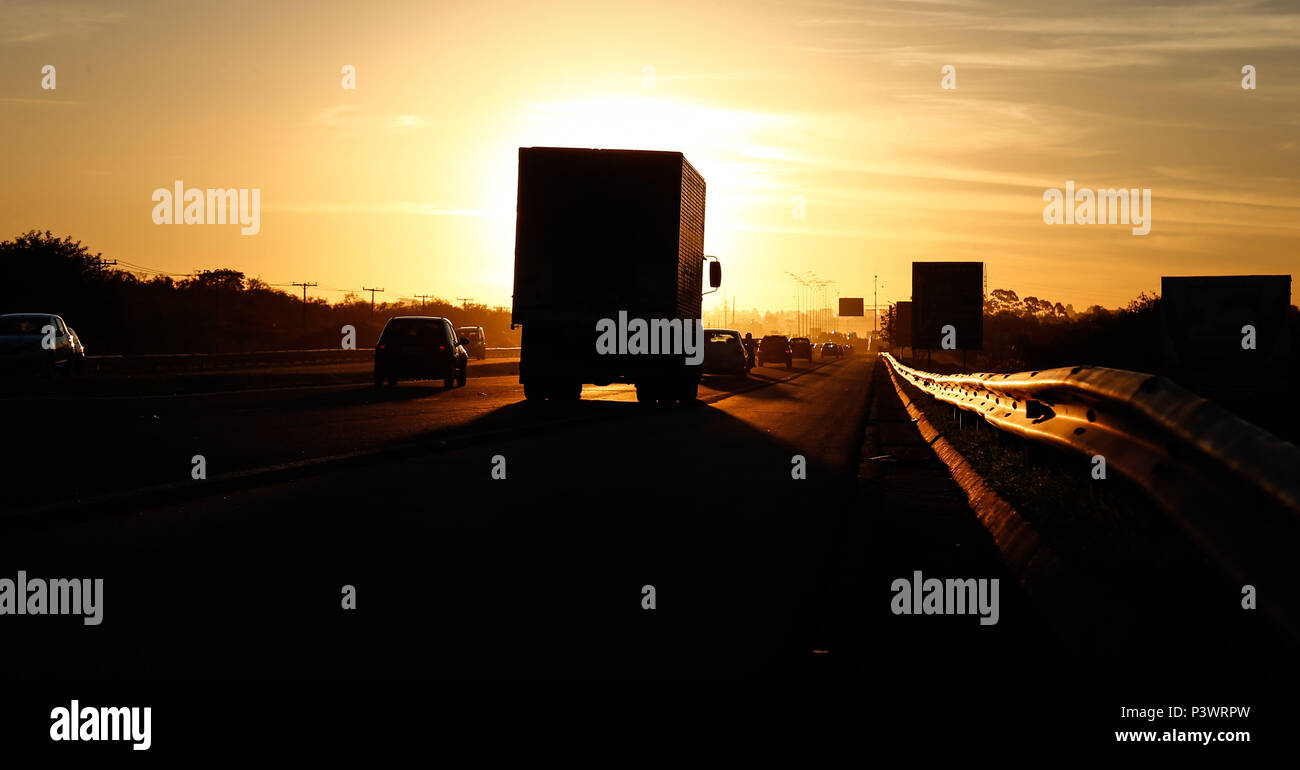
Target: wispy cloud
379	207
352	117
33	22
15	100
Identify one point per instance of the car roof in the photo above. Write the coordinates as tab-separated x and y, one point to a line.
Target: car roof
417	318
722	331
29	315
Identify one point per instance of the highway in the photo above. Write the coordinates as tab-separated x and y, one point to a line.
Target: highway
542	573
536	574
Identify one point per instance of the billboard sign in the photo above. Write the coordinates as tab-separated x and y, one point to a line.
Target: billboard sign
948	305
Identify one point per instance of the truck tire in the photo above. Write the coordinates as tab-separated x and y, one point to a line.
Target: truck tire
534	391
689	392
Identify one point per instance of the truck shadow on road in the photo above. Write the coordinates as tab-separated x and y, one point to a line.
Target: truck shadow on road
538	574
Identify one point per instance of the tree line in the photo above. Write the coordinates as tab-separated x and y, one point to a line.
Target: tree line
213	311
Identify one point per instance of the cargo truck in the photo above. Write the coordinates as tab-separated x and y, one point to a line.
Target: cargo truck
606	237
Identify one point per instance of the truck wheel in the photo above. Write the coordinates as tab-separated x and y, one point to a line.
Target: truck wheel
464	375
689	393
449	382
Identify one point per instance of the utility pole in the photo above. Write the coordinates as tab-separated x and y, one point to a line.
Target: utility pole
304	299
372	297
422	298
875	313
463	301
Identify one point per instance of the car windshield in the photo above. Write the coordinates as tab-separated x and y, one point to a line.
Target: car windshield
722	338
23	324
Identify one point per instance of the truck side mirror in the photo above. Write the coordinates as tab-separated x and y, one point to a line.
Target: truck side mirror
715	274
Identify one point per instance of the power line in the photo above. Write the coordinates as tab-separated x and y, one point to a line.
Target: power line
304	286
372	296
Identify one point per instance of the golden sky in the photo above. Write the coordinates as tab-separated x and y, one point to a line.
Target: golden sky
408	181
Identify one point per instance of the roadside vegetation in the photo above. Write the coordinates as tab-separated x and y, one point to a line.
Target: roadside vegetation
118	310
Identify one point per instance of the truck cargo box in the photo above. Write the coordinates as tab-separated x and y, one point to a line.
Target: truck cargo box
600	231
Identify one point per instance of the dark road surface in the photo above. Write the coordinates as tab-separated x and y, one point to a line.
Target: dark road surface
460	574
541	574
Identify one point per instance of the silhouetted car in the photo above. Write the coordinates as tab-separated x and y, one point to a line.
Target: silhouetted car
420	347
477	346
724	353
775	348
801	347
39	343
831	350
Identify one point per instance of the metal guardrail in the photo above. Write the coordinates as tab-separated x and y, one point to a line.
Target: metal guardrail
184	362
1233	487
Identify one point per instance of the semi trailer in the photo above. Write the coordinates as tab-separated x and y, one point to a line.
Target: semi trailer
609	272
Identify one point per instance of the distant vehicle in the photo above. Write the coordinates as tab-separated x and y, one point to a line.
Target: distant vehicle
801	347
604	235
477	346
418	347
846	349
831	350
775	348
724	353
39	343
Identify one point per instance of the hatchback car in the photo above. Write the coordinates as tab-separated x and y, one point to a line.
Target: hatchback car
775	348
39	343
831	350
724	353
420	347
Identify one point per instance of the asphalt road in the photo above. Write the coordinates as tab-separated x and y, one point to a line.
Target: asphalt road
79	447
543	573
458	573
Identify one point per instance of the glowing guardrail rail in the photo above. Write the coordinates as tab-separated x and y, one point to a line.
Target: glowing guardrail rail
1233	487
